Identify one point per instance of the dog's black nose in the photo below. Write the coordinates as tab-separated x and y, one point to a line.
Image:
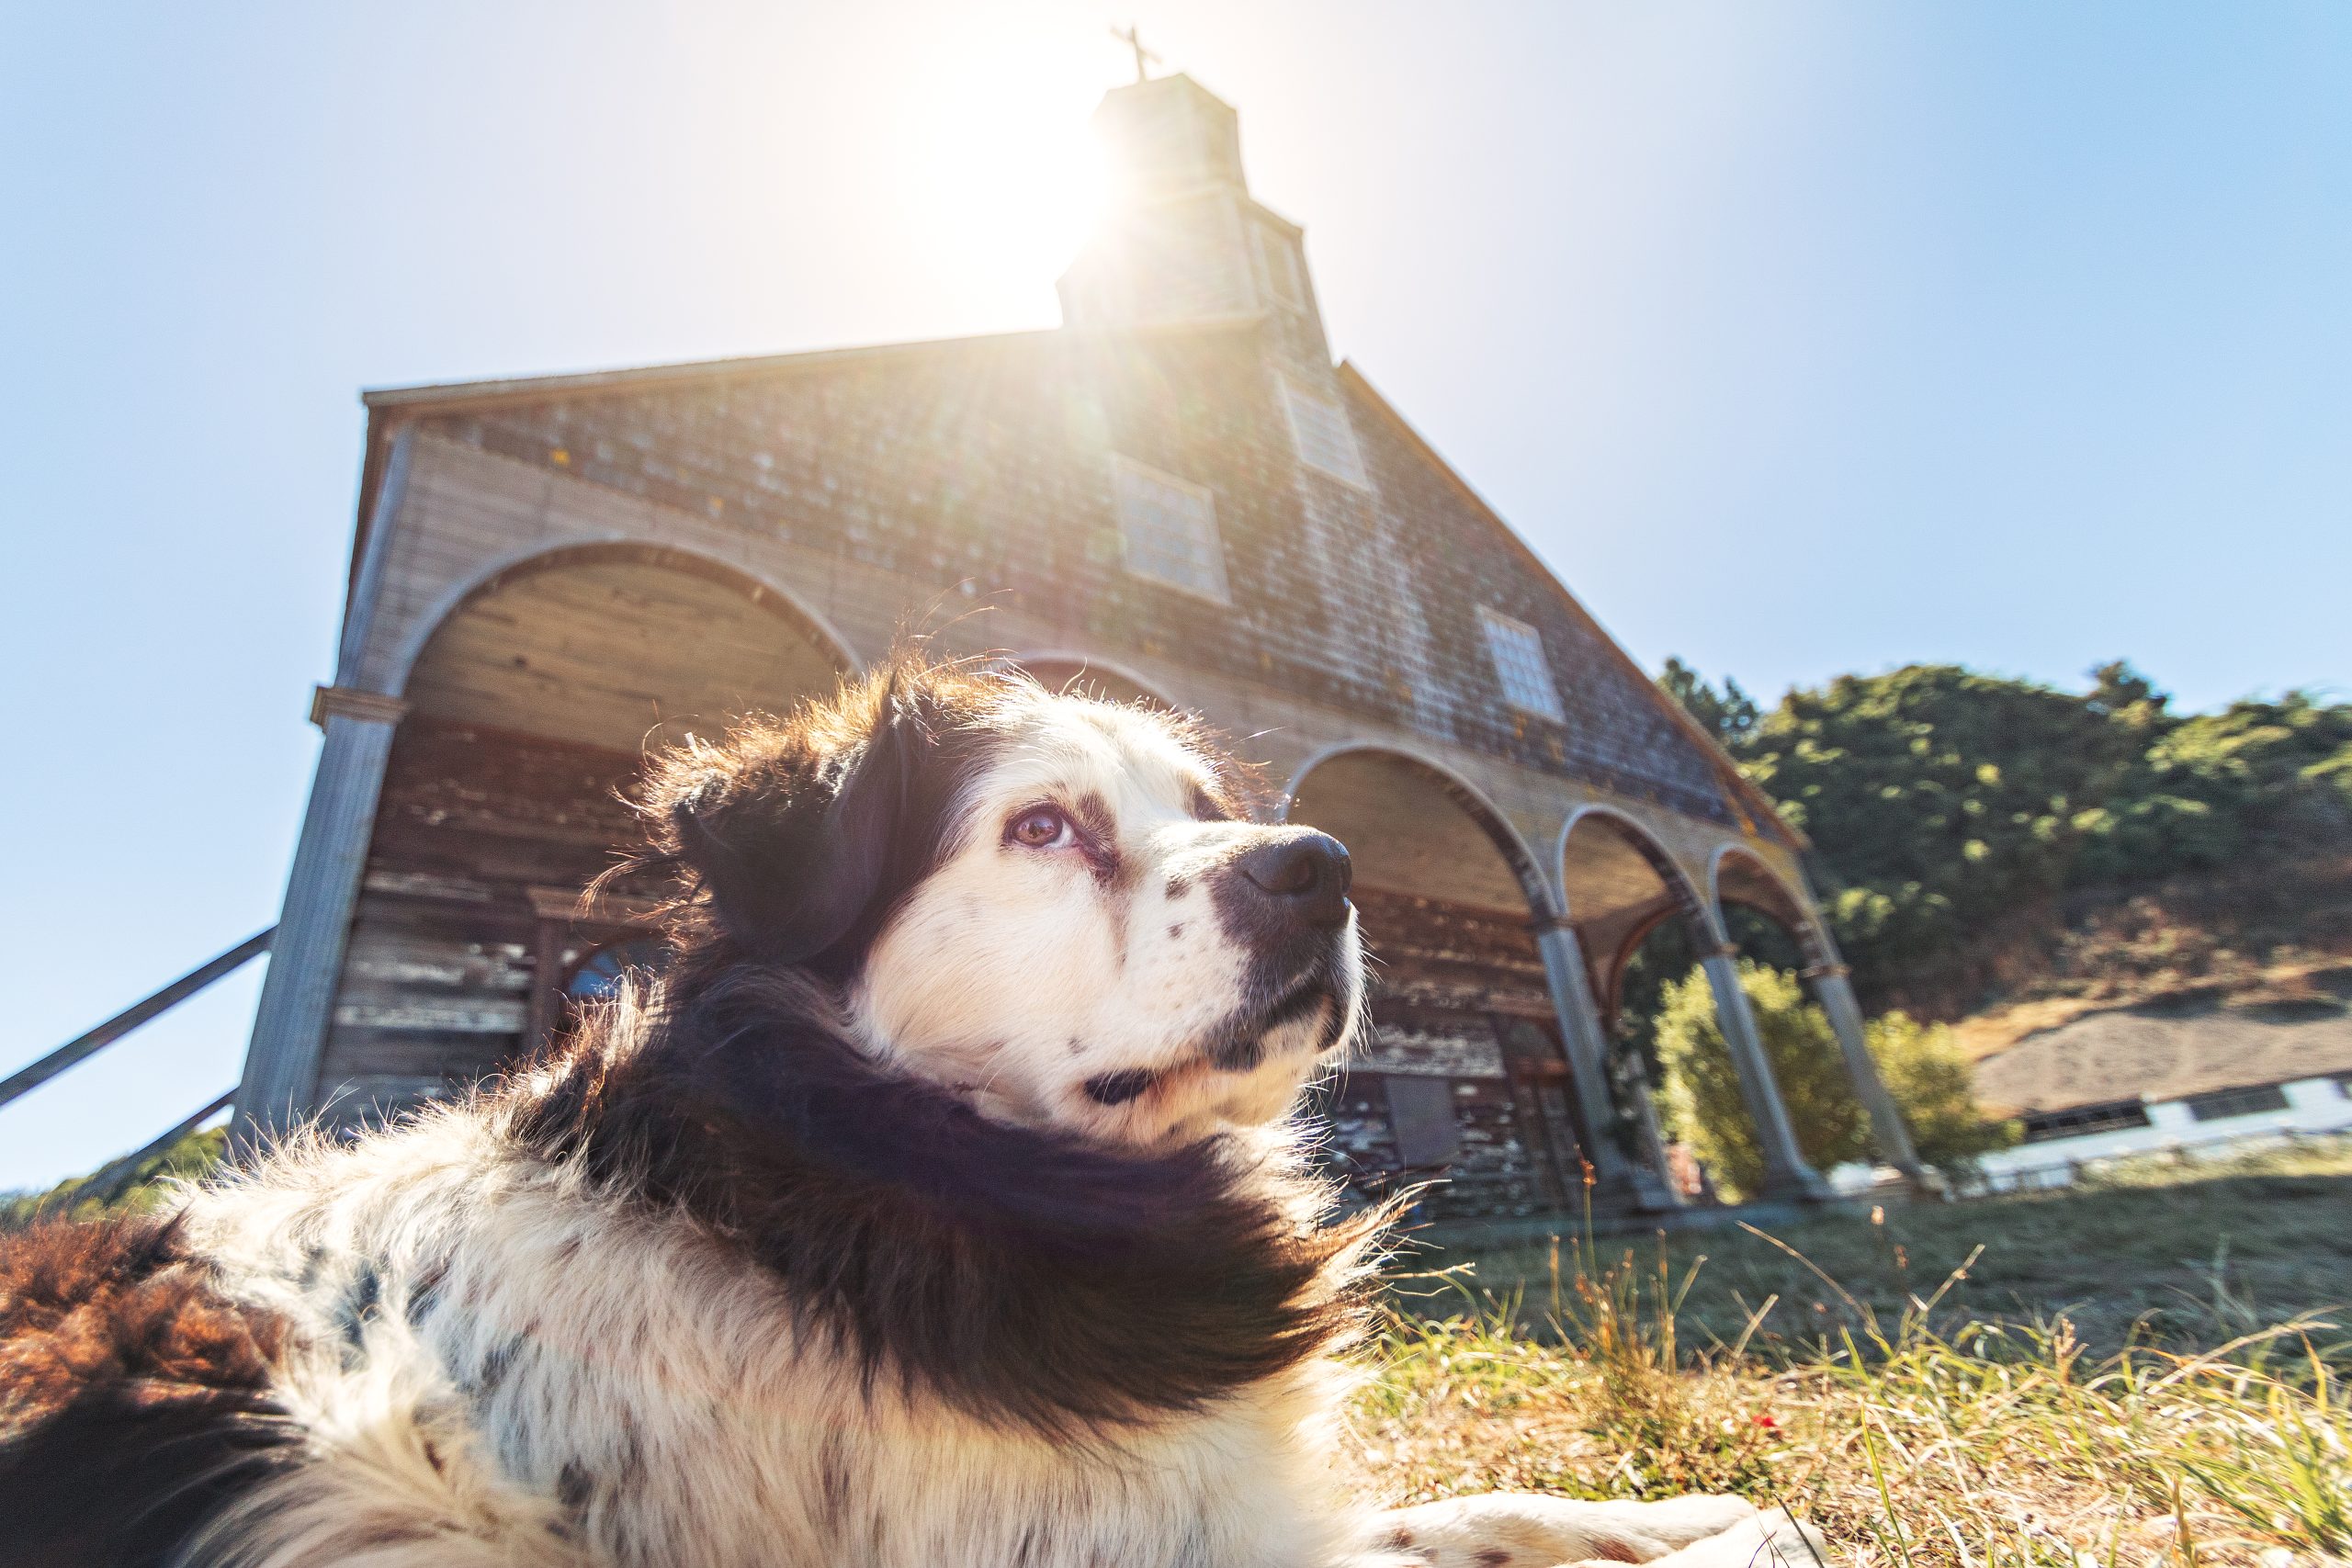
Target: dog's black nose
1307	872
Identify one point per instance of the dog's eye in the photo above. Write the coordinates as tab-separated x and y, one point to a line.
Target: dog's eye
1041	828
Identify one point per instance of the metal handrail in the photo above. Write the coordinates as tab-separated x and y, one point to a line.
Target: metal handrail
25	1079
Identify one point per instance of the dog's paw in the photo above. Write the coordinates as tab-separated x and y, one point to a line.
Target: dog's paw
1774	1539
1514	1529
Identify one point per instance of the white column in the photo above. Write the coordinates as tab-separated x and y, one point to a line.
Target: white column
1835	990
281	1073
1786	1174
1587	1052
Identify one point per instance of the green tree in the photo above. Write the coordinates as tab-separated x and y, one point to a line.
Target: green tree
1729	715
1940	800
1700	1103
2258	778
2119	691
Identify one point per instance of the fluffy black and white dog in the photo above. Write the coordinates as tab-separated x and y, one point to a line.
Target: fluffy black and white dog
936	1207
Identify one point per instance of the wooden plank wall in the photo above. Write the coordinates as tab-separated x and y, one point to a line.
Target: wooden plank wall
437	983
1459	994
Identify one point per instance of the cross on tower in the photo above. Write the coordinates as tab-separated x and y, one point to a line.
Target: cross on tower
1142	54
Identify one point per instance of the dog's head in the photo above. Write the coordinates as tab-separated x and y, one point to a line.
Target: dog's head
1055	909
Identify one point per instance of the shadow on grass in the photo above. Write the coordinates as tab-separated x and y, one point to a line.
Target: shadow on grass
2182	1258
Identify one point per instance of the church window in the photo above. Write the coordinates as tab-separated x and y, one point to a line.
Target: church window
1319	429
1421	1115
1170	528
1278	259
1517	650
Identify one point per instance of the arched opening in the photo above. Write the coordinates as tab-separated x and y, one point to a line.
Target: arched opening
1643	932
533	701
1771	928
1465	1073
1759	908
618	648
1084	677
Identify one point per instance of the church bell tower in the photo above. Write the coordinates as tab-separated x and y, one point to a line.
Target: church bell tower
1182	241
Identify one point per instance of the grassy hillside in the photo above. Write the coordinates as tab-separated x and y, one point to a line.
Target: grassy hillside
188	1158
1981	841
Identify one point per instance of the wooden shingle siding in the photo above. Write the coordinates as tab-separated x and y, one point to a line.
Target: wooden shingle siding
1452	956
991	462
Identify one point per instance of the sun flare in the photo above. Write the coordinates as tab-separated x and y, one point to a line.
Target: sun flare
1002	169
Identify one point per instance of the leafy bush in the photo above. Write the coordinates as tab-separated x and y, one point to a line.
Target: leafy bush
1930	1080
1701	1102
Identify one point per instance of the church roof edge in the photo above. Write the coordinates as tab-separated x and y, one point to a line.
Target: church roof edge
1752	800
504	388
439	395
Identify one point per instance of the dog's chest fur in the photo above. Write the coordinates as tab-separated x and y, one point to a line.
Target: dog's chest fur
500	1360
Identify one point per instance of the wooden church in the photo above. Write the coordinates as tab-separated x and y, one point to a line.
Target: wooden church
1174	497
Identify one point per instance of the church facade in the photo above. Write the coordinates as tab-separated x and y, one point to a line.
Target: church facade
1175	497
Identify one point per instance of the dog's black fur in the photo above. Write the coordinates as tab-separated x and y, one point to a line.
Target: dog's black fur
1023	1276
1020	1274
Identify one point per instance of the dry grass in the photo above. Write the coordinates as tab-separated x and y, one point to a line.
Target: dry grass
1916	1429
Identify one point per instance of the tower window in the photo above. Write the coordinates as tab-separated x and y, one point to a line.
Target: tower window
1517	650
1278	259
1169	526
1318	428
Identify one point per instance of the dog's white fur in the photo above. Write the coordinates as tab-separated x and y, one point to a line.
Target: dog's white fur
597	1383
1015	974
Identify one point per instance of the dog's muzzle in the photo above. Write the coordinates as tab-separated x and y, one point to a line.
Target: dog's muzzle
1301	877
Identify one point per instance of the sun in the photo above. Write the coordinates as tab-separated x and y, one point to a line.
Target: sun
1002	169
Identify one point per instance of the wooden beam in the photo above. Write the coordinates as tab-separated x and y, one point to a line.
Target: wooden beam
280	1081
604	910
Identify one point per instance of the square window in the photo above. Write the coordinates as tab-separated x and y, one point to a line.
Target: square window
1278	259
1421	1113
1517	650
1318	428
1169	526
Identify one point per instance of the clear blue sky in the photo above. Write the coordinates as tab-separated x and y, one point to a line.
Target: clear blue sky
1799	338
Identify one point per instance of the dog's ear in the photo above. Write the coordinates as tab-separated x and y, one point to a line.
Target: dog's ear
799	853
